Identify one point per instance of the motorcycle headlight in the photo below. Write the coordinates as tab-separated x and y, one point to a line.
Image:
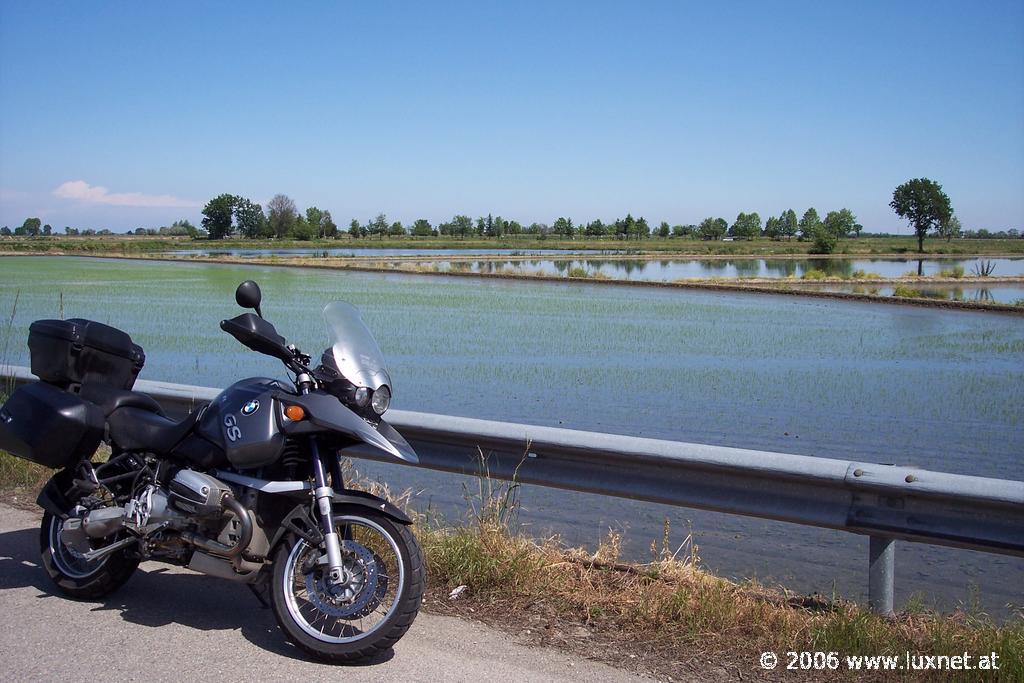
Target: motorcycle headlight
361	396
381	399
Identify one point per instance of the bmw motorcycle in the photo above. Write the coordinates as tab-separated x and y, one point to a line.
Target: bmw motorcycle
248	488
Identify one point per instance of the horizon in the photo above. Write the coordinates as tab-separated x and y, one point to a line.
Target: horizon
134	116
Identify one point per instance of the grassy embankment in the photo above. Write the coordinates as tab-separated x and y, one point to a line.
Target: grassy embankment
902	245
668	616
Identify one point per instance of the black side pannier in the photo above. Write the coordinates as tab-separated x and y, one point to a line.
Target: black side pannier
49	426
75	352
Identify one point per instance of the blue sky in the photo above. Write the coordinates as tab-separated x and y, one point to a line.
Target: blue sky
134	114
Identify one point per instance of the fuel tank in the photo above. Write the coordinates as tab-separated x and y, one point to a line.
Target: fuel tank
241	420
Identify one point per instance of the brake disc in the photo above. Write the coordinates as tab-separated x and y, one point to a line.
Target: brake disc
363	573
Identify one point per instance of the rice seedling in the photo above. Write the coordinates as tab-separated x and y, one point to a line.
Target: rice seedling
984	268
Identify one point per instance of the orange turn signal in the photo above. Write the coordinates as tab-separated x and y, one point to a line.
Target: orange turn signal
295	413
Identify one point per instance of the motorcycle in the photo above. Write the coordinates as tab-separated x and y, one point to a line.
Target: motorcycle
248	488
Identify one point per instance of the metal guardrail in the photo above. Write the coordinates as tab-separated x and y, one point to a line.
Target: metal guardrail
883	502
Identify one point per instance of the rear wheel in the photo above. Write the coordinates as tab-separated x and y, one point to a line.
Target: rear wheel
372	607
75	576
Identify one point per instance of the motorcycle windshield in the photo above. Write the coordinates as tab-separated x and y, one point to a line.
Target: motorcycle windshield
355	351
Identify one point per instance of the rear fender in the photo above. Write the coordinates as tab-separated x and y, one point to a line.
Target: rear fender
52	498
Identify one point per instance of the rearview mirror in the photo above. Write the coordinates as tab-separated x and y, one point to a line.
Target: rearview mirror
248	295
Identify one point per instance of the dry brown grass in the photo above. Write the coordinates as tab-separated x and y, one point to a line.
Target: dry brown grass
669	617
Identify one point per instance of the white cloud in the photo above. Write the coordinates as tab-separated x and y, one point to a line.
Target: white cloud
82	191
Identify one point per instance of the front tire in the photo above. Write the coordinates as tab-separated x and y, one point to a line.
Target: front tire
373	607
74	576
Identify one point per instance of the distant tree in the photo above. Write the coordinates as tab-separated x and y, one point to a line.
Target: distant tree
328	228
952	228
563	226
771	228
68	230
249	218
396	229
355	229
462	226
303	230
6	231
31	227
747	225
217	215
513	228
379	225
824	240
712	228
496	226
840	223
788	224
857	227
47	230
922	202
643	230
315	218
594	228
809	224
625	227
684	230
481	225
281	215
422	228
190	230
663	229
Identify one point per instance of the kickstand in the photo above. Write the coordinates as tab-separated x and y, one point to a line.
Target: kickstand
261	589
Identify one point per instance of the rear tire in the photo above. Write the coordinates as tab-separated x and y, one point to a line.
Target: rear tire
343	637
75	577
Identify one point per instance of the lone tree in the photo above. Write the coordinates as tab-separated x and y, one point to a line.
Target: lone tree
217	215
924	204
281	215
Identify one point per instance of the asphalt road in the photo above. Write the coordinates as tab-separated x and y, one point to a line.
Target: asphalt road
168	623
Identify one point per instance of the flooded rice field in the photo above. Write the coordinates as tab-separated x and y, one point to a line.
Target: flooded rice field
938	389
668	270
968	291
369	252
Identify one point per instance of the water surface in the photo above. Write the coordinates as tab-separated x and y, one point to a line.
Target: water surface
938	389
667	269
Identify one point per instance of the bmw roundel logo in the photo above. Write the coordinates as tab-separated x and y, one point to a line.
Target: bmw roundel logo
250	407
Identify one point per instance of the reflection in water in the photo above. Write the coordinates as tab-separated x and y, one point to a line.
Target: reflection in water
667	270
1007	294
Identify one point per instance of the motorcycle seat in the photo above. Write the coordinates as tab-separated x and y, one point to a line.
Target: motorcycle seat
138	429
110	399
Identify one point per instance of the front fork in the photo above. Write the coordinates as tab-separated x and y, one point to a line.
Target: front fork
323	498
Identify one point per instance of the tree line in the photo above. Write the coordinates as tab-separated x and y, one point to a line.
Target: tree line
920	201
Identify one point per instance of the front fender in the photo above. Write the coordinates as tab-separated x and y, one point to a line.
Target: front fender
301	516
329	414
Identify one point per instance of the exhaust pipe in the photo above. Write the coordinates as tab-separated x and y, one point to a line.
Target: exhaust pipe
218	548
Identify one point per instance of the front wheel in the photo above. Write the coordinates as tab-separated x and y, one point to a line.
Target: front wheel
374	604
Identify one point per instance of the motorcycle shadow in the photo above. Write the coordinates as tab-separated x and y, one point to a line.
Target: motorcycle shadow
159	595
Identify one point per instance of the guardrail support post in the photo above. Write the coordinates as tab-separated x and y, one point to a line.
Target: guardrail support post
881	566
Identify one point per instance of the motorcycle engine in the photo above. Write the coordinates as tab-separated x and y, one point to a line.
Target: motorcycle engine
189	496
197	494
